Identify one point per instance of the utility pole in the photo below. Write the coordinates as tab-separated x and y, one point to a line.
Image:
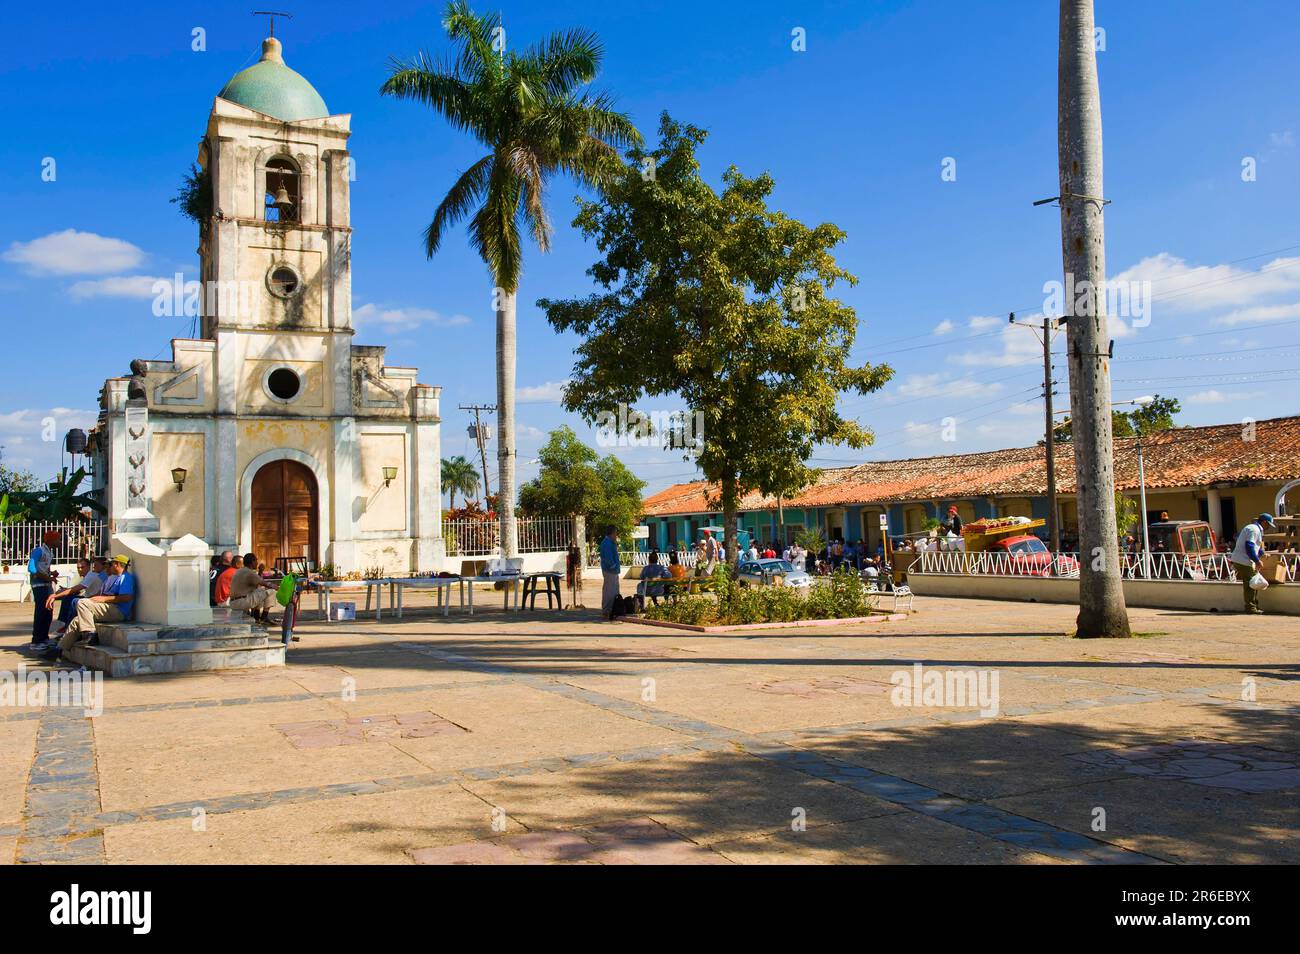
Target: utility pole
1047	328
479	409
1102	610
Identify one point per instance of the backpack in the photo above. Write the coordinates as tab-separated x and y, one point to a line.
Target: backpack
284	592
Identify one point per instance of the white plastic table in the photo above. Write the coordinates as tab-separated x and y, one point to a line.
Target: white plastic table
514	584
439	584
323	588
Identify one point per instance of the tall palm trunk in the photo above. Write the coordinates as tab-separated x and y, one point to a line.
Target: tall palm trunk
506	424
1102	611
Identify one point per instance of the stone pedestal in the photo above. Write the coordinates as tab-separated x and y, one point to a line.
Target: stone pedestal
173	629
137	518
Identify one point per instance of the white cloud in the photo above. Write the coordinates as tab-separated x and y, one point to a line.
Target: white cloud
550	391
1019	346
980	322
117	286
402	319
1177	286
941	385
1213	396
74	253
36	434
1260	314
920	433
944	327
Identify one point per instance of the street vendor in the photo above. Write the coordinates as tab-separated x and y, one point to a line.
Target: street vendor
953	523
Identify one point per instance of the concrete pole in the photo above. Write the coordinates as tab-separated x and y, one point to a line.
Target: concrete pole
1102	610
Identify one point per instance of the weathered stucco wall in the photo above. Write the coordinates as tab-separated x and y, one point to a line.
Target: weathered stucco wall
179	511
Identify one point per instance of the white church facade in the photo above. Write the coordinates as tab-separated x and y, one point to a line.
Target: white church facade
273	432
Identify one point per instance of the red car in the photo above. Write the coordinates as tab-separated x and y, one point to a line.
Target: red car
1029	556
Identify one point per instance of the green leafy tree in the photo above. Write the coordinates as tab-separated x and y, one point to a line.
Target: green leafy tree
58	502
531	113
724	303
1156	415
16	481
194	198
458	477
575	480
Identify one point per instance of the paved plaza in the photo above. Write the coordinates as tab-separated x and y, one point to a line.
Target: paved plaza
554	737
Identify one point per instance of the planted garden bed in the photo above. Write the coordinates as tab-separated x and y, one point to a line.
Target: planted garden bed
839	599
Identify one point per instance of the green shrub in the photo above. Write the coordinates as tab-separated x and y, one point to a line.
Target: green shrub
841	596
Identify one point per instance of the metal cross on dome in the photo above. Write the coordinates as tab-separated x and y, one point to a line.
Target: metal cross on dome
272	14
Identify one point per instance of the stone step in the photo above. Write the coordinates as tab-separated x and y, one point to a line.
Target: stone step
140	647
122	635
116	662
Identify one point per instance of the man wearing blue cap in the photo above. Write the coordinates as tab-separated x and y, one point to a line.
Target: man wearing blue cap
1246	557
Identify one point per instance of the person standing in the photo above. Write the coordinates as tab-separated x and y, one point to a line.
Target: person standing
1247	555
42	576
610	571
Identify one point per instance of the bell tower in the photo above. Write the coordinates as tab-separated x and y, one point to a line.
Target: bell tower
274	254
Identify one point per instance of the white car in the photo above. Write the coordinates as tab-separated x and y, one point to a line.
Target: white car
765	573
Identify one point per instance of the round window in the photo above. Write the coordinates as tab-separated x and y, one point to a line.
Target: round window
283	281
284	384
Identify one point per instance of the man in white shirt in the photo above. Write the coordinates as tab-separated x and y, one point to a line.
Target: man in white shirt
92	577
1247	556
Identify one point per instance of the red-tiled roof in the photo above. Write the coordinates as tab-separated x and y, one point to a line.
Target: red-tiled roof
1183	457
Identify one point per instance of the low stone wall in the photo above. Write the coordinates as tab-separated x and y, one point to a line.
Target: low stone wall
1157	594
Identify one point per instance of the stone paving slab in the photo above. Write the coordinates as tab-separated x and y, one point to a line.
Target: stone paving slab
362	829
899	838
705	797
17	747
1174	821
742	740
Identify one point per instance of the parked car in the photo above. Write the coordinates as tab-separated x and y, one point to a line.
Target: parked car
1029	556
766	572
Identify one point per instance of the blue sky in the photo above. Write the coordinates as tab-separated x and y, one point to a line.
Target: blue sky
855	129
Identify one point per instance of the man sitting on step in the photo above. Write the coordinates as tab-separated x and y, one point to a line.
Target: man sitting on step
248	591
115	603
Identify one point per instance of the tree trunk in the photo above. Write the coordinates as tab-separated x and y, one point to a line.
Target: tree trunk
730	538
506	424
1083	253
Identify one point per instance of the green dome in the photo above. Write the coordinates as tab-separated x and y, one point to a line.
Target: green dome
270	87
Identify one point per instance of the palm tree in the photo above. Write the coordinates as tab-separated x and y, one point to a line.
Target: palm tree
529	111
458	477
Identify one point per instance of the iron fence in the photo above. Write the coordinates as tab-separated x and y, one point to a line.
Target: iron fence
1215	567
76	539
483	537
626	558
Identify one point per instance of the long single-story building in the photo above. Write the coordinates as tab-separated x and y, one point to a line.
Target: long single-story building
1223	474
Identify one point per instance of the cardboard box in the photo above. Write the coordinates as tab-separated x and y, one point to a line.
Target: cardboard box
1274	569
343	611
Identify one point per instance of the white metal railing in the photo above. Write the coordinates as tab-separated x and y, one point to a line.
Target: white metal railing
626	558
995	563
1136	566
483	537
81	538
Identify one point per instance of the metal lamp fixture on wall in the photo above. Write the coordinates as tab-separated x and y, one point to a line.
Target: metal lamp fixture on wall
178	477
390	474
